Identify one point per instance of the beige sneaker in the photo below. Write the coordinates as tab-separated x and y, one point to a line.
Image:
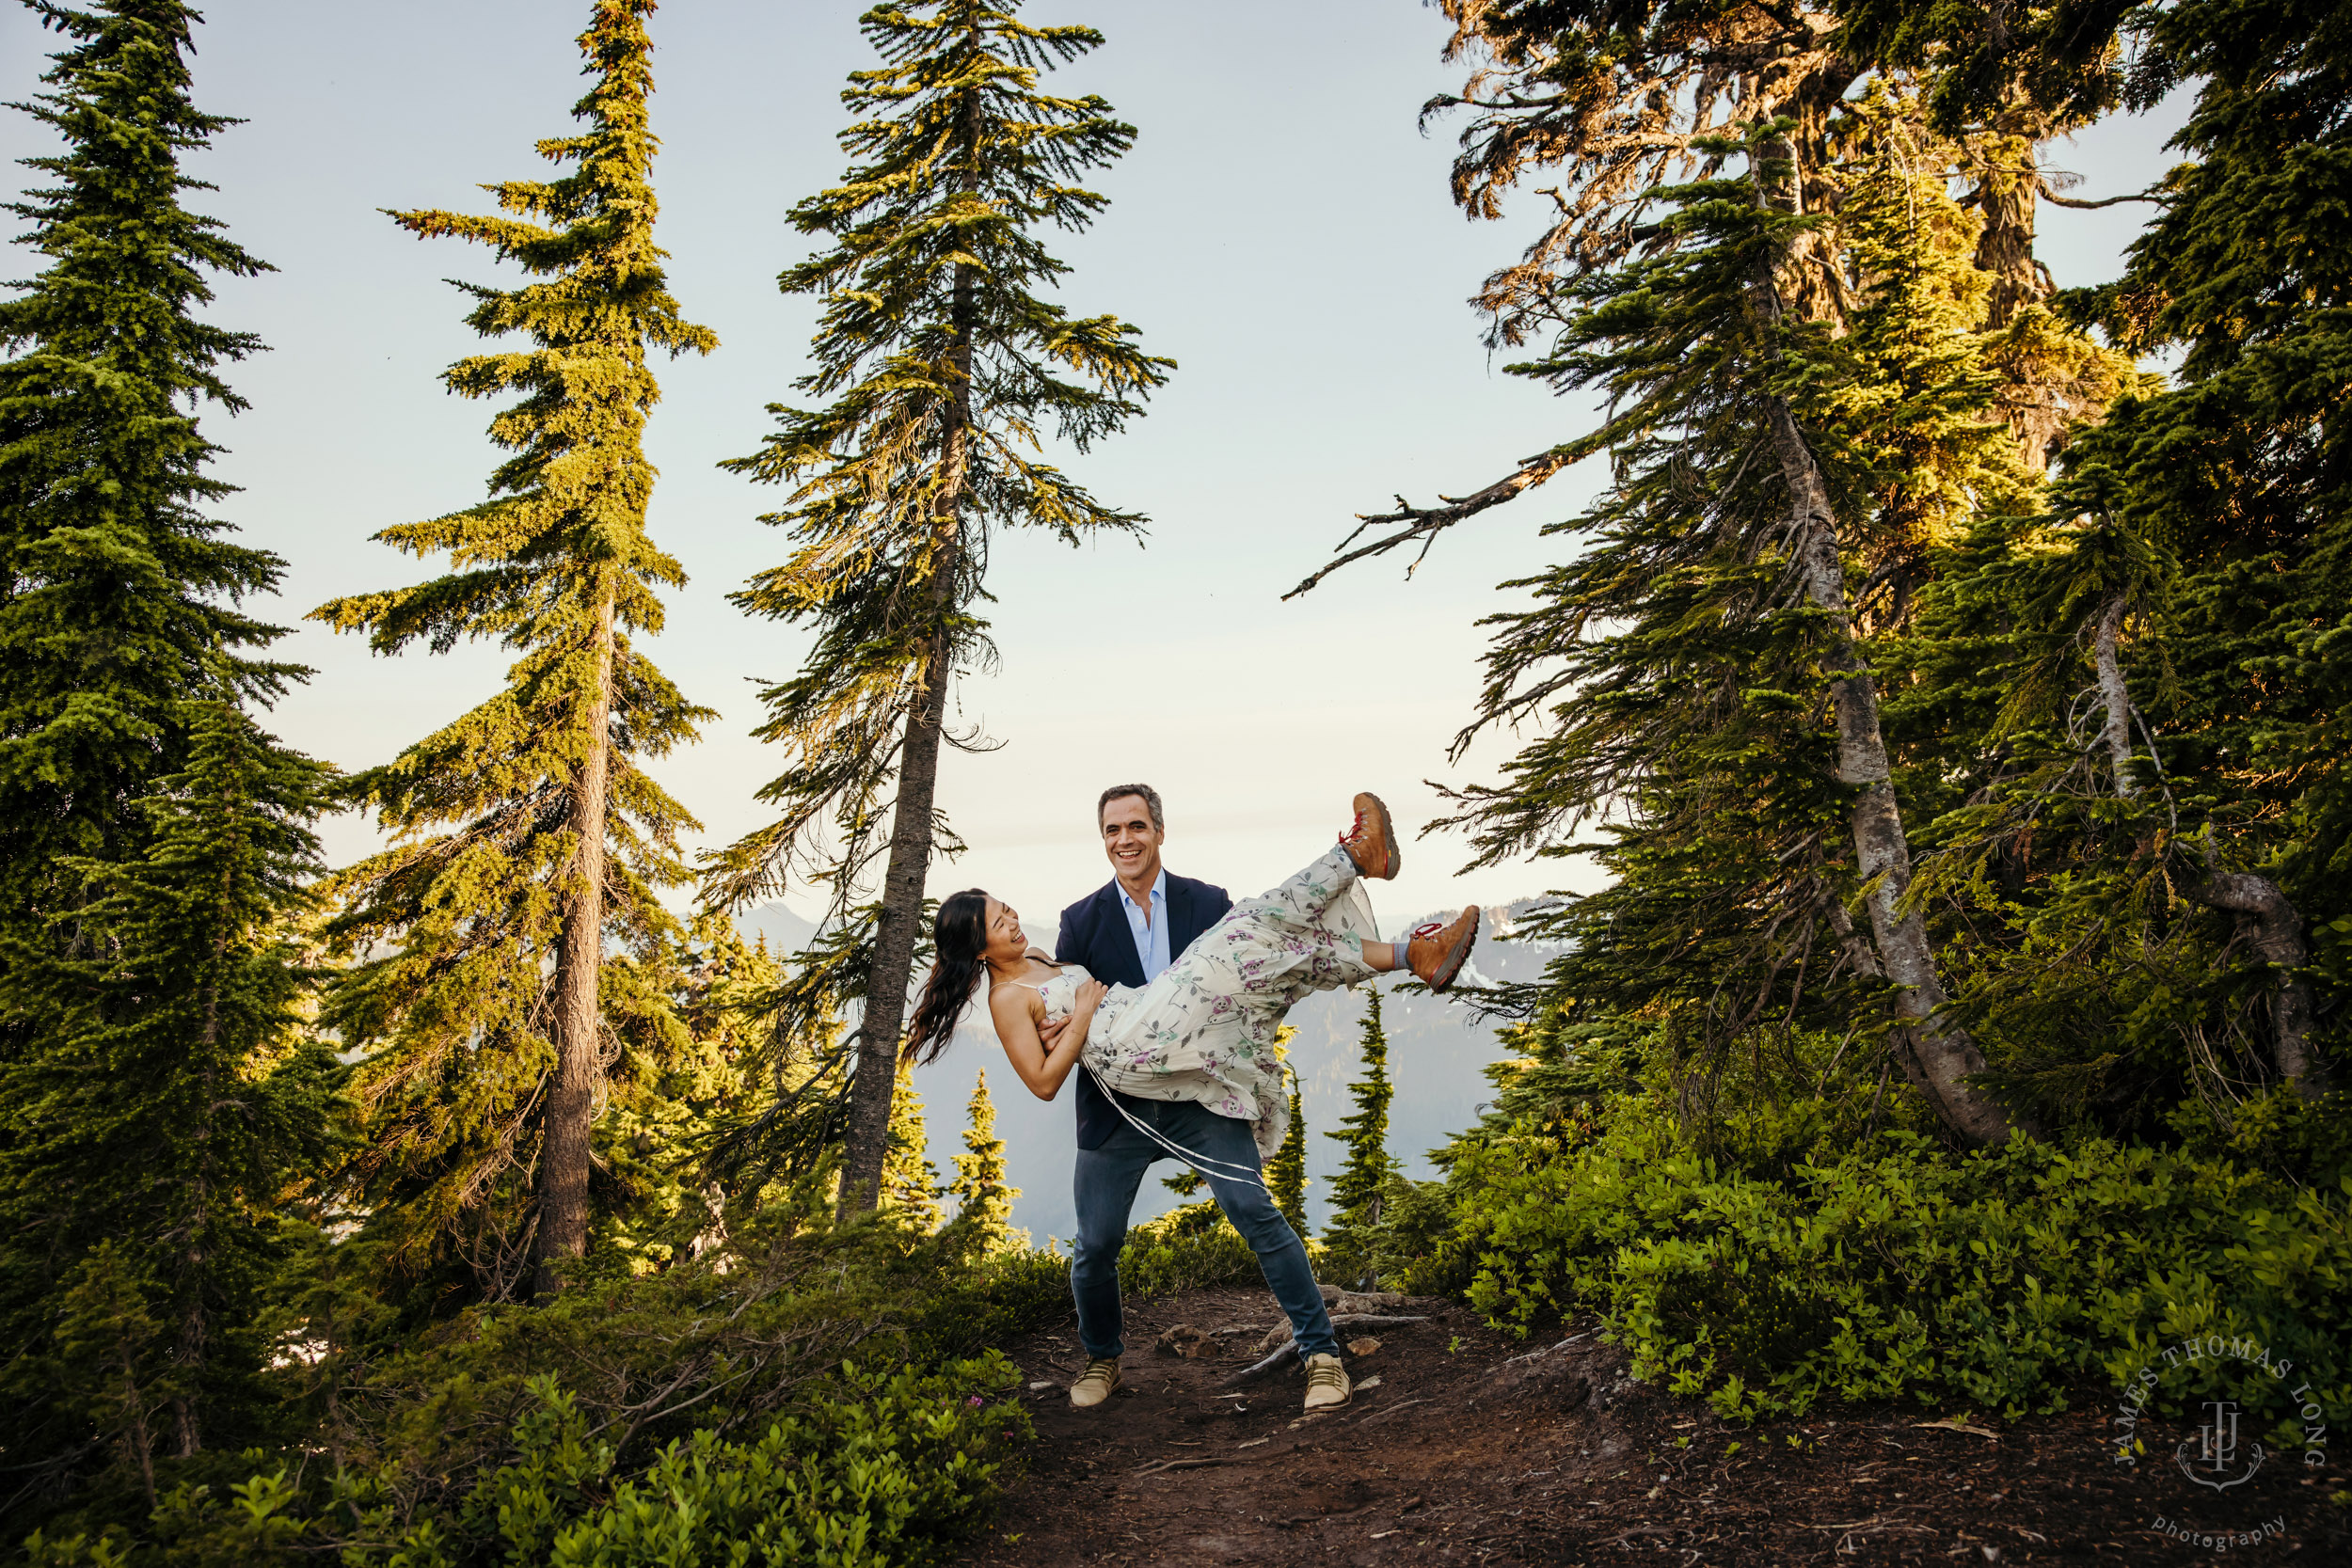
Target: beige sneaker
1099	1382
1371	842
1328	1388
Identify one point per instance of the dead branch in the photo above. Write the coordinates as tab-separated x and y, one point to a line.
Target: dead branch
2054	199
1426	523
1178	1465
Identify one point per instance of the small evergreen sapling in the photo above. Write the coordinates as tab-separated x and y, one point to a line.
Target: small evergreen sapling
1360	1191
984	1202
910	1181
1286	1172
529	838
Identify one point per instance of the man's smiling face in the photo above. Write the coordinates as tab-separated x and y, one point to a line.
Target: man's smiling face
1131	840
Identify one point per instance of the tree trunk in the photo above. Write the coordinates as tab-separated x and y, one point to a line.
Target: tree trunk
2265	915
135	1433
564	1154
2115	698
2263	910
2008	188
194	1326
1942	1054
874	1082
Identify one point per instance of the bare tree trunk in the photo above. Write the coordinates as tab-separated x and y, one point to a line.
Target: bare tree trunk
2265	914
188	1356
135	1433
2008	189
1942	1054
565	1155
874	1083
2116	725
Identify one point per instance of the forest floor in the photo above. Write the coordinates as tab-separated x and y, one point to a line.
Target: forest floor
1468	1448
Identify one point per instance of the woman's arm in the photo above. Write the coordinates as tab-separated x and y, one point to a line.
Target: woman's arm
1042	1068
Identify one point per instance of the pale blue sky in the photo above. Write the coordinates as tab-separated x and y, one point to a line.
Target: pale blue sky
1280	229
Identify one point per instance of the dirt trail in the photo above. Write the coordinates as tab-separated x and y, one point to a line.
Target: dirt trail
1470	1449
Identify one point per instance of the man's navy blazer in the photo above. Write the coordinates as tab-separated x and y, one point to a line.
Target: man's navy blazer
1094	932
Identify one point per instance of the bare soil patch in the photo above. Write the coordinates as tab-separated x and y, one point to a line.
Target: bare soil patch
1471	1448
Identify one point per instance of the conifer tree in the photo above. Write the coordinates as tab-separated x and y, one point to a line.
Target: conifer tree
118	593
1735	341
1360	1188
942	367
530	839
2161	645
909	1180
1286	1172
177	1098
984	1202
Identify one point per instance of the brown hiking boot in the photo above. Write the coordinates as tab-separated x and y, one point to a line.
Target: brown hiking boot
1328	1388
1371	842
1099	1382
1435	953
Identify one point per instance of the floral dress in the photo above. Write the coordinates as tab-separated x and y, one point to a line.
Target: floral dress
1205	1029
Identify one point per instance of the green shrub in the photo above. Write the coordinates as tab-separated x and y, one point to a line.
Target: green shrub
702	1364
1184	1249
883	1471
1895	1267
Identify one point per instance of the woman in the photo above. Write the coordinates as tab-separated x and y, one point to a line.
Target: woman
1201	1034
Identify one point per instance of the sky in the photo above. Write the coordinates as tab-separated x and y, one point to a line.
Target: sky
1281	228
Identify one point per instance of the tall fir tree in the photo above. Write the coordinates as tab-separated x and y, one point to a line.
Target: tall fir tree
153	1137
1351	1239
117	592
529	838
2155	657
984	1202
943	367
1801	416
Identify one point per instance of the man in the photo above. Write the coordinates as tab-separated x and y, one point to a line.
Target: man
1125	934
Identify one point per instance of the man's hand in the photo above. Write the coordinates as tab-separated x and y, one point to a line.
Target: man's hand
1048	1032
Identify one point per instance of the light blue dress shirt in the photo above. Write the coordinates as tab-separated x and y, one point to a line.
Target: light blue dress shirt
1151	937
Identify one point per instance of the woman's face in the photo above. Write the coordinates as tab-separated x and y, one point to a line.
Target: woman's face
1007	943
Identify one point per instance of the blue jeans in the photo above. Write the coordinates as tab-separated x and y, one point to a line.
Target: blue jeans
1104	1185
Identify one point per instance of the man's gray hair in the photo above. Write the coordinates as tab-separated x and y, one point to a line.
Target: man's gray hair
1151	803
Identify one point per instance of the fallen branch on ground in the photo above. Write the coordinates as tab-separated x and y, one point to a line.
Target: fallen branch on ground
1178	1465
1390	1410
1290	1347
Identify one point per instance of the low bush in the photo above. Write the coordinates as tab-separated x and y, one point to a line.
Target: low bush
649	1419
1184	1249
1800	1259
889	1471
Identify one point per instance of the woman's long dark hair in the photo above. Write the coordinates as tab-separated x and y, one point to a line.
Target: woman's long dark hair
957	938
